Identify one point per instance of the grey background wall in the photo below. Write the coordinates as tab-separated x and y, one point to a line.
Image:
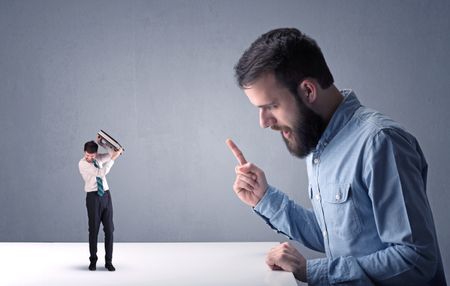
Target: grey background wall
158	75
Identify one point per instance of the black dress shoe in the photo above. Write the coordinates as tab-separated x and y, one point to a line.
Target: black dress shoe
92	266
110	267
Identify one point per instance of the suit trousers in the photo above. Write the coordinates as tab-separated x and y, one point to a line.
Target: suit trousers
100	209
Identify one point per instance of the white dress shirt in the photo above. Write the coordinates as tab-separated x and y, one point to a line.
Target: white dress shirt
90	173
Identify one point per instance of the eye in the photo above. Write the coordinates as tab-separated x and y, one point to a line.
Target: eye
269	107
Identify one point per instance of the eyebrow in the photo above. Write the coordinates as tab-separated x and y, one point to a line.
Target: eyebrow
267	105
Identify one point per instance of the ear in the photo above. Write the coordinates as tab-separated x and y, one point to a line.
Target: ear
307	90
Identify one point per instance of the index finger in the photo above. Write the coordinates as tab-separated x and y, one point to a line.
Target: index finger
236	152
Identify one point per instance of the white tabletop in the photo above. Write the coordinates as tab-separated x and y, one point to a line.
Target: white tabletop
141	264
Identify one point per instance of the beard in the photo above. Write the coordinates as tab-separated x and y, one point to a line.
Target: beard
305	132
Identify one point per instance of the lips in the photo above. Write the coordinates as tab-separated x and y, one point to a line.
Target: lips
286	132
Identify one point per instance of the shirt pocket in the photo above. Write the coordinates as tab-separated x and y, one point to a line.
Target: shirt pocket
341	215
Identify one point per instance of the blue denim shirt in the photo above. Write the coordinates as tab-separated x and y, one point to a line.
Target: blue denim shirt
371	216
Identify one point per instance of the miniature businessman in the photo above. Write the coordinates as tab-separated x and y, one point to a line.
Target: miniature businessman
93	168
367	175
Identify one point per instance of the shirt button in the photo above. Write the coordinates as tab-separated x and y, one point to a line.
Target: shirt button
316	161
324	233
338	197
318	197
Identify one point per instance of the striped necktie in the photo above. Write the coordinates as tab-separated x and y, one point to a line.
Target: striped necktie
100	190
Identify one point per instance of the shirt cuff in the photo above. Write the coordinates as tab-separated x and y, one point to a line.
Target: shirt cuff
317	271
269	203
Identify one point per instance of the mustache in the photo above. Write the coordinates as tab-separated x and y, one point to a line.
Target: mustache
279	128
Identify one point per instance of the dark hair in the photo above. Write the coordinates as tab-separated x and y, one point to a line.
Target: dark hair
90	147
289	54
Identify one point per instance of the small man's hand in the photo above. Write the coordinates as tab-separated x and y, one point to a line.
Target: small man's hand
286	257
250	184
99	140
116	153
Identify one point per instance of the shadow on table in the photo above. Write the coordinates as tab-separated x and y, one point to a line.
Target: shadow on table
86	269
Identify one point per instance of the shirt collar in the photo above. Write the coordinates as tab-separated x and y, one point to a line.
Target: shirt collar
341	116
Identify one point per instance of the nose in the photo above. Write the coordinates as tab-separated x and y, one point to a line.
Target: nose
266	119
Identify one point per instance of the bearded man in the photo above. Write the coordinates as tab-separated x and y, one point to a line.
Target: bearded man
367	175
